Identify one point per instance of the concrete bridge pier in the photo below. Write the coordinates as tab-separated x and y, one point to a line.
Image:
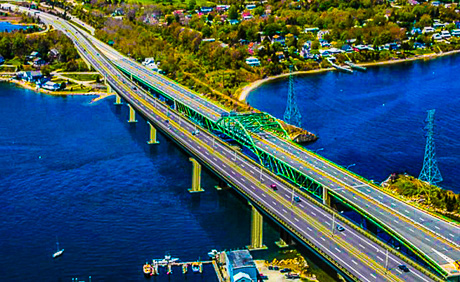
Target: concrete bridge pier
153	135
132	114
196	177
326	197
257	227
221	185
117	99
285	239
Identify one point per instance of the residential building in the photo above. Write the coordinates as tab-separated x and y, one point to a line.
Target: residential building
253	61
52	86
240	266
33	55
250	6
279	39
38	62
428	29
455	32
54	54
2	60
206	10
30	76
436	36
347	48
445	34
311	29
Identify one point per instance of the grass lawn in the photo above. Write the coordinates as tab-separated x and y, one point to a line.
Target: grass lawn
83	77
15	61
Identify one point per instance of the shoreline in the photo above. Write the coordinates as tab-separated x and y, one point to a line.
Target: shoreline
101	95
253	85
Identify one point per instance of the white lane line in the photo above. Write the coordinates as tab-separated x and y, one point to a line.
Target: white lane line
309	229
274	203
451	235
373	275
437	228
354	262
361	246
295	218
380	258
285	211
338	250
323	239
263	195
314	214
411	230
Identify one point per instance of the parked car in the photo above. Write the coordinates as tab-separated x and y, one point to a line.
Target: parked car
403	267
292	276
284	270
273	186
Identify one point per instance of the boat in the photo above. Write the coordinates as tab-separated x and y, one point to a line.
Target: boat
58	252
166	260
197	267
154	268
184	268
212	254
147	269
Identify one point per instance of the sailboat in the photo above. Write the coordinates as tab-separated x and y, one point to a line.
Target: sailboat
58	252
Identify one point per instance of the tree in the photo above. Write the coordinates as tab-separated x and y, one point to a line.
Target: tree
191	4
233	13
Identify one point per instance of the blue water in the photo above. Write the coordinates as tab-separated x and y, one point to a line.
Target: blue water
79	171
375	119
7	26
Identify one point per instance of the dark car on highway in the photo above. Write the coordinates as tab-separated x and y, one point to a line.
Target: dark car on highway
273	186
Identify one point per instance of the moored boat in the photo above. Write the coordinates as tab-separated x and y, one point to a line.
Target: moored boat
147	269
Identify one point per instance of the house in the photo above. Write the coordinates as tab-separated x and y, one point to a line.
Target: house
246	16
280	55
54	54
38	62
347	48
118	12
253	61
445	34
233	22
439	25
418	45
2	60
240	266
436	36
455	32
208	40
413	2
279	39
324	43
311	29
222	8
52	86
415	31
250	6
435	3
30	76
428	29
33	55
206	10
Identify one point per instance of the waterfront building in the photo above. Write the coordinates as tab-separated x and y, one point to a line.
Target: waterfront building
49	85
30	76
240	266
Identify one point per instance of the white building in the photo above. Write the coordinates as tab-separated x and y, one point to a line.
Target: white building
253	61
52	86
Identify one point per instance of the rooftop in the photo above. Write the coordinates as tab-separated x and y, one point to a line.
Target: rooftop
240	259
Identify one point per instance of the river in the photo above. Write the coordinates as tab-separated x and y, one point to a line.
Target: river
373	122
80	172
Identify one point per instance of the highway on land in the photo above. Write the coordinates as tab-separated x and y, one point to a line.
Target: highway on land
358	254
436	238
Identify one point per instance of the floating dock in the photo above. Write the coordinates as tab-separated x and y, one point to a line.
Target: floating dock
355	66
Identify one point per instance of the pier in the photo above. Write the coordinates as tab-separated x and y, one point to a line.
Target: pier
355	66
345	69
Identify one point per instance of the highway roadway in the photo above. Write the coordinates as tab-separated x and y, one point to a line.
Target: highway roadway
436	238
309	220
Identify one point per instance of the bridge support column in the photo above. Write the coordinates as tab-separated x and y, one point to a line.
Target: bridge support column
326	197
257	229
285	239
153	135
132	114
196	177
118	100
221	186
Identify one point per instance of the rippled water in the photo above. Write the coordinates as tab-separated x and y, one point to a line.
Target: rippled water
373	121
82	173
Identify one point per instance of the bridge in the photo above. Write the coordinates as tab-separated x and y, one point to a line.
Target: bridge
252	151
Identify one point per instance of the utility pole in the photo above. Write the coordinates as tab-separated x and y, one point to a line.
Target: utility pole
430	171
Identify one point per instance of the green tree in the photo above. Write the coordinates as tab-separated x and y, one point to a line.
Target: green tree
233	13
191	4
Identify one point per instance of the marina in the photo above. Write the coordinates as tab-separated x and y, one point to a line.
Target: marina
355	66
340	68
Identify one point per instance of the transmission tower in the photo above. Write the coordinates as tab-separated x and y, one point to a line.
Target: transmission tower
430	171
292	114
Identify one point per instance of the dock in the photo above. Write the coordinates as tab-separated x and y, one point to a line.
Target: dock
341	68
355	66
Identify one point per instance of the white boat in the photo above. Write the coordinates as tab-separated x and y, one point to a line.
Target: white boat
167	260
212	254
59	252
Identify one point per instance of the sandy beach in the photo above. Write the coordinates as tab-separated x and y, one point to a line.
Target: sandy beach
247	89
